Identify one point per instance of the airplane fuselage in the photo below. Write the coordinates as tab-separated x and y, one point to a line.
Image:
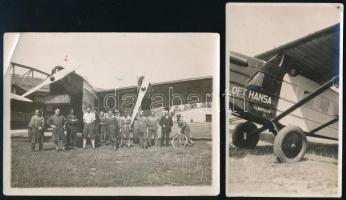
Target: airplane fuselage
261	91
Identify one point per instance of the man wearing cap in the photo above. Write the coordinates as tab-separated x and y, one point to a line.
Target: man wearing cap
36	127
152	124
88	130
185	129
141	130
166	124
72	127
58	123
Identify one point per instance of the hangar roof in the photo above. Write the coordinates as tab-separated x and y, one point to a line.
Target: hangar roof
315	56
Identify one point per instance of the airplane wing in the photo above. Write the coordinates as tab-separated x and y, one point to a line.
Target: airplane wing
315	56
50	79
144	84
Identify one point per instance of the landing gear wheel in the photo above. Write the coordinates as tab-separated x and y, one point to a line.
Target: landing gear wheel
242	139
179	141
290	144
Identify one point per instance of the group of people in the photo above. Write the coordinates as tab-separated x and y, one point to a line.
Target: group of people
105	128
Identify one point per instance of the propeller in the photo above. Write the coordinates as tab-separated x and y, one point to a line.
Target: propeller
51	79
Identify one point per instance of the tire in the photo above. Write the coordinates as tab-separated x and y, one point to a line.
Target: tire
290	144
179	141
242	140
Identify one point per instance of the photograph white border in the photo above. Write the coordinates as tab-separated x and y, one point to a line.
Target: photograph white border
227	65
212	190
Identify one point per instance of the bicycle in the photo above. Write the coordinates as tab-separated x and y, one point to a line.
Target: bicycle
179	141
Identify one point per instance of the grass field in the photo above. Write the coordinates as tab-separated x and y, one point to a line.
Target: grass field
104	167
256	171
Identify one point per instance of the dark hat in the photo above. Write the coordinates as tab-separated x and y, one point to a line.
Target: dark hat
178	115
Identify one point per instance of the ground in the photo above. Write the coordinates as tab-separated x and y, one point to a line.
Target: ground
257	172
104	167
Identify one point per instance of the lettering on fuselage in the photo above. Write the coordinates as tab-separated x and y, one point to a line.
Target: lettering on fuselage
251	95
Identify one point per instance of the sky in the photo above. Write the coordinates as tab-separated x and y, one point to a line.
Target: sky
109	60
252	29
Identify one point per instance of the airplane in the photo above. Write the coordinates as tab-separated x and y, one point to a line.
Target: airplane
292	91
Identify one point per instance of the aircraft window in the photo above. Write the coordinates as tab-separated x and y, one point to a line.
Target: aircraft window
324	104
309	103
257	80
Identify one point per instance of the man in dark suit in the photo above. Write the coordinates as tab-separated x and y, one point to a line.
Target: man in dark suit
166	124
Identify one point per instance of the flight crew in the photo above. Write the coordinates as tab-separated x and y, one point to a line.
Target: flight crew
89	130
125	129
185	128
72	128
152	124
113	130
166	124
140	128
58	123
36	125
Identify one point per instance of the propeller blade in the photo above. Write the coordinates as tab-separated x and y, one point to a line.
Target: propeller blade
20	98
141	93
51	79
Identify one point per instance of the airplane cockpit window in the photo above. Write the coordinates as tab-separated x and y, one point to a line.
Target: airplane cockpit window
257	80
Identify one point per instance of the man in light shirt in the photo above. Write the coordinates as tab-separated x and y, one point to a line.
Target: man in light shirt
89	131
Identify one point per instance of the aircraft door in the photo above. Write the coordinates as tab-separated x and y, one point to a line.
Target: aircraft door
262	92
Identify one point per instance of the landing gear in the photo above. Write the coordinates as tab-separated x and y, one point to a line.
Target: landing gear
290	144
241	137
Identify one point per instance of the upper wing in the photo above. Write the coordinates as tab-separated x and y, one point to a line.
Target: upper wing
315	56
50	79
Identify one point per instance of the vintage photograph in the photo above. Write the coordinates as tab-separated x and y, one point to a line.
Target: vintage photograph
284	96
111	114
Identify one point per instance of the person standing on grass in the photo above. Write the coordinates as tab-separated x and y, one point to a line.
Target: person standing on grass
125	129
103	127
152	124
141	130
113	128
166	124
72	128
58	123
108	122
184	128
36	127
89	130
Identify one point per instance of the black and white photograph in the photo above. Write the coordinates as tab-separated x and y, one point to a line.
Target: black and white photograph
284	99
111	114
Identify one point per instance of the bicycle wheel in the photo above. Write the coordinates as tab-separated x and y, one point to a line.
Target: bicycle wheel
179	141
